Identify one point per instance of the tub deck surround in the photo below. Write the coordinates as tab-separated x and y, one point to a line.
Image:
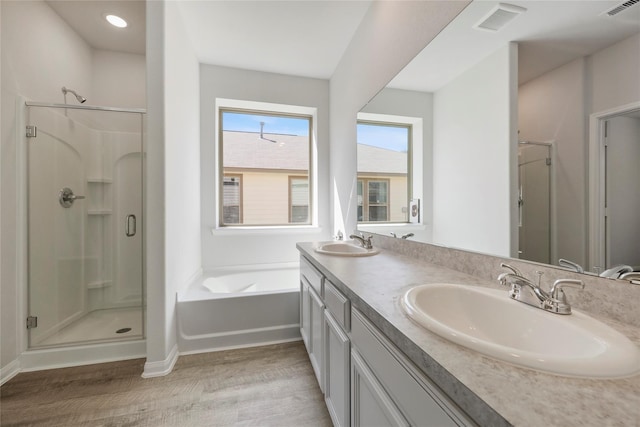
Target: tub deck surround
493	393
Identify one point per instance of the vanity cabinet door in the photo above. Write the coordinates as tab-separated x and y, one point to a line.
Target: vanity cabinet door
336	371
418	399
316	338
305	315
371	406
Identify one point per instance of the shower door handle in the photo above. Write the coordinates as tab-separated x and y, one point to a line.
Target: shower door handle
130	225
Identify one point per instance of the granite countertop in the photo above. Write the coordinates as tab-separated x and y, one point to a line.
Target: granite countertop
491	392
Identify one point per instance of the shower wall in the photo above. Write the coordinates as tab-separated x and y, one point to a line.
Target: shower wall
57	57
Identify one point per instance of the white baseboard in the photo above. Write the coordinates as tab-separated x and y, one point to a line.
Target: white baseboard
163	367
11	370
237	339
239	346
64	357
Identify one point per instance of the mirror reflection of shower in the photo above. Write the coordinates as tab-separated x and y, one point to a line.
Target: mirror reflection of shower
81	99
534	201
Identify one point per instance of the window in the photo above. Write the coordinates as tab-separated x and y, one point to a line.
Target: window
232	195
299	199
264	171
373	200
384	184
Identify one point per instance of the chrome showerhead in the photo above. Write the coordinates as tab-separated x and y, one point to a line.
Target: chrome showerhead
81	99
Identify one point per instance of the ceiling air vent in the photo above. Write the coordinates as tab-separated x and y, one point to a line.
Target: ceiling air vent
500	16
622	7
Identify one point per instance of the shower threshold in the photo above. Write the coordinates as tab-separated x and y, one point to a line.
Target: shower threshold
99	325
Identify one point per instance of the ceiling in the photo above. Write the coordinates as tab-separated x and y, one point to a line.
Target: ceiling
86	17
549	34
308	38
302	38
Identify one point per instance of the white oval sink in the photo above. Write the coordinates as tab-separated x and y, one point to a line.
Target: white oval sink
345	249
488	321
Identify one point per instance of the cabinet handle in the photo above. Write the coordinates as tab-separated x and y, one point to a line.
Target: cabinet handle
130	225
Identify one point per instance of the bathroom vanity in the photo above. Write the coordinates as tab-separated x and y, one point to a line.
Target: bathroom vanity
375	366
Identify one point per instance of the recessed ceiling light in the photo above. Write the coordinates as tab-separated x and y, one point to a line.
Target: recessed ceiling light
116	21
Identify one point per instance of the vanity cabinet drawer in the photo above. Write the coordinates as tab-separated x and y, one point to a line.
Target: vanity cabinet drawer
417	398
312	275
337	304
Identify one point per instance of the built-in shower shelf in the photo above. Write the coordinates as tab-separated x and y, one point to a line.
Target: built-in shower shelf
99	212
99	180
99	284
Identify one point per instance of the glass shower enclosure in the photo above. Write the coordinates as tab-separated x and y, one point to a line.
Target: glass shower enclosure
534	201
84	226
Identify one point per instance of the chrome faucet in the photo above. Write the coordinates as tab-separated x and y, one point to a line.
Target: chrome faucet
365	242
558	298
404	236
570	265
617	271
524	290
631	275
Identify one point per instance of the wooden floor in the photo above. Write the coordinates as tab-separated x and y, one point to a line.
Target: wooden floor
260	386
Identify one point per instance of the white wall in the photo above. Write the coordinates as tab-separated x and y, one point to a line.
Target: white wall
158	340
555	107
173	178
389	36
551	109
37	60
231	247
474	149
3	373
612	78
117	78
420	105
182	164
39	75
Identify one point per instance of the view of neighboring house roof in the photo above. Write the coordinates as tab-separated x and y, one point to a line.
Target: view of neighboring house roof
247	150
379	160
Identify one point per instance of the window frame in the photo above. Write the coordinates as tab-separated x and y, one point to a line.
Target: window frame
240	207
291	178
408	123
366	204
266	109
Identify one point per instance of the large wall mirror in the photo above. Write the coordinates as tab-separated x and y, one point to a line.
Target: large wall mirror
520	137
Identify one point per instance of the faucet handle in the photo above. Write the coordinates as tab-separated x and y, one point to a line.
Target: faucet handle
556	290
513	269
538	279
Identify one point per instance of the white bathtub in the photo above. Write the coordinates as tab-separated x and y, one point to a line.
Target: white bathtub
253	281
239	307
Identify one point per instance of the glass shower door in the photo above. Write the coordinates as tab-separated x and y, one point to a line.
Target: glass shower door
85	279
534	202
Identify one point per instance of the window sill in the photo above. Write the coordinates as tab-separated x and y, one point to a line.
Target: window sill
402	225
266	230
